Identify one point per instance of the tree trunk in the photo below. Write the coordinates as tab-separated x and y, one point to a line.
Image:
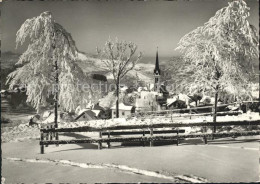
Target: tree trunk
117	98
56	95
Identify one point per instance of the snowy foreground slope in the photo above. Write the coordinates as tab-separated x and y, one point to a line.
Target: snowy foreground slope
233	160
229	159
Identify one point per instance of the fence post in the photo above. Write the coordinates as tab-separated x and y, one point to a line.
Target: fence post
205	137
151	135
51	133
41	139
108	142
214	131
178	136
250	127
47	136
144	136
56	136
246	107
100	143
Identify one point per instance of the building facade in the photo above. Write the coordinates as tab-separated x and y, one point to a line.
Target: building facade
125	111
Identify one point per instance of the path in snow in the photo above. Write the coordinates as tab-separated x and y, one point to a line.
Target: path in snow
120	168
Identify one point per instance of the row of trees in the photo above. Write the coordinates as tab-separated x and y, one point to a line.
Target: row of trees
214	57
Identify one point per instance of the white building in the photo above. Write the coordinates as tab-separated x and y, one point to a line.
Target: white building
124	110
146	101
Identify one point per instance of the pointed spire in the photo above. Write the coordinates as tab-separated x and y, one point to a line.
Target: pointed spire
157	68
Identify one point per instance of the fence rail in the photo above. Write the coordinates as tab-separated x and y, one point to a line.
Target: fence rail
159	125
150	138
194	108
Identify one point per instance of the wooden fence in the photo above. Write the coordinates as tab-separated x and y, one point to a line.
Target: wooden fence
194	108
47	134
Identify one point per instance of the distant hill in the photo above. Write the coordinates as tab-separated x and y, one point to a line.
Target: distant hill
8	60
90	64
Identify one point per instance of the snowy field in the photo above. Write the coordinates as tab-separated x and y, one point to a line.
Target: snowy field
229	160
226	160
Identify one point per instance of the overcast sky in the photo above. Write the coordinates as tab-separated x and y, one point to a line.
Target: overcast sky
148	24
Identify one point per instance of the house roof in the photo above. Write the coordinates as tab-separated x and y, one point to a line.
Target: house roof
170	101
90	115
123	107
96	112
98	107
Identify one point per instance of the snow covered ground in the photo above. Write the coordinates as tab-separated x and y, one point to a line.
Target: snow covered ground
157	120
222	160
229	160
24	131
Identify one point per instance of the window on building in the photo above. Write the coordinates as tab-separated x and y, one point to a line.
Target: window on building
114	112
123	113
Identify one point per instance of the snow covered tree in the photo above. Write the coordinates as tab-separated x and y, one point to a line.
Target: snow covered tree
48	66
109	100
118	56
218	55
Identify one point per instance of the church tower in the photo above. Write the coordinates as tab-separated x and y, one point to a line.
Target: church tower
157	74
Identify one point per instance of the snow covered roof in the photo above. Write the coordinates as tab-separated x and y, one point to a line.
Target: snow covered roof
83	110
123	107
90	115
50	119
171	100
96	112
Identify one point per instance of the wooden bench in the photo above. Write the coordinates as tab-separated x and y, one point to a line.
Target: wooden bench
150	132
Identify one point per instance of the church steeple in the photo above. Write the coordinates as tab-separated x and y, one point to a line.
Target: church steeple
157	74
157	68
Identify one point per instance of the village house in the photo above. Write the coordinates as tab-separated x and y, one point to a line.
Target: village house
86	115
92	112
124	110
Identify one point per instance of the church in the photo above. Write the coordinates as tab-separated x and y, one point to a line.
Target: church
155	98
